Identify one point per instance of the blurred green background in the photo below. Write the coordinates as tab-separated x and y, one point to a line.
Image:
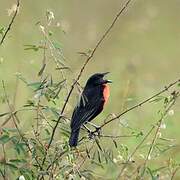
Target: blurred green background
142	53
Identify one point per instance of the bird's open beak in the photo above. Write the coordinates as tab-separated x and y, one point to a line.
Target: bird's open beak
105	73
107	81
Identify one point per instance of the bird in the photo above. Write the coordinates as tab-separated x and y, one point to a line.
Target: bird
92	101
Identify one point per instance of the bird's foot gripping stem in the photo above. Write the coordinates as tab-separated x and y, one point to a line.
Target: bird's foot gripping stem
98	130
93	134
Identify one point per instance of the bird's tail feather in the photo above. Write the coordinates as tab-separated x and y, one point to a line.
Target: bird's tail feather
73	140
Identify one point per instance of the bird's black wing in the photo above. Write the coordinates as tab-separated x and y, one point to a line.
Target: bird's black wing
86	110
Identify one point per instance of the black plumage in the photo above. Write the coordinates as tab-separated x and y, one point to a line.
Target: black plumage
90	105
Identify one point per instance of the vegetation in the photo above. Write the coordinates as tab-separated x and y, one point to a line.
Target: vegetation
41	81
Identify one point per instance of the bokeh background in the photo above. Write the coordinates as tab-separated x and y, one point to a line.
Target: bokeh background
141	52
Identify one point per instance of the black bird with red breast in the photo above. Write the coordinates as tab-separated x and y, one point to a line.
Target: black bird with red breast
92	101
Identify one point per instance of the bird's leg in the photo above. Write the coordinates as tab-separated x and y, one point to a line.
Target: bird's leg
89	131
98	128
91	134
94	125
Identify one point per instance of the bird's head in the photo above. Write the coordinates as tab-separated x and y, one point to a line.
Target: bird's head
98	79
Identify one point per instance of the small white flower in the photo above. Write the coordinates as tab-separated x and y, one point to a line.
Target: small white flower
22	177
171	112
131	159
37	95
1	60
115	160
163	126
66	173
58	24
12	9
129	99
142	156
17	73
83	178
159	135
149	157
42	28
50	15
113	115
120	157
71	177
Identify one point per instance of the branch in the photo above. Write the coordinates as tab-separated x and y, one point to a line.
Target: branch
166	88
174	173
11	22
116	137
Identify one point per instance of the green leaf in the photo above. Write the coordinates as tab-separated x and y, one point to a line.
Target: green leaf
115	143
11	166
153	177
50	33
54	111
32	47
4	139
42	70
19	76
17	161
20	148
35	85
65	132
27	173
99	156
47	131
139	134
157	99
2	29
57	45
30	103
4	114
7	130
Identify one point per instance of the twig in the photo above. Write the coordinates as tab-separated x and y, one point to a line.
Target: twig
116	137
11	22
166	88
1	172
174	173
57	156
83	67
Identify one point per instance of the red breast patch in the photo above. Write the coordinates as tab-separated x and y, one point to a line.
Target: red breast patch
106	93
